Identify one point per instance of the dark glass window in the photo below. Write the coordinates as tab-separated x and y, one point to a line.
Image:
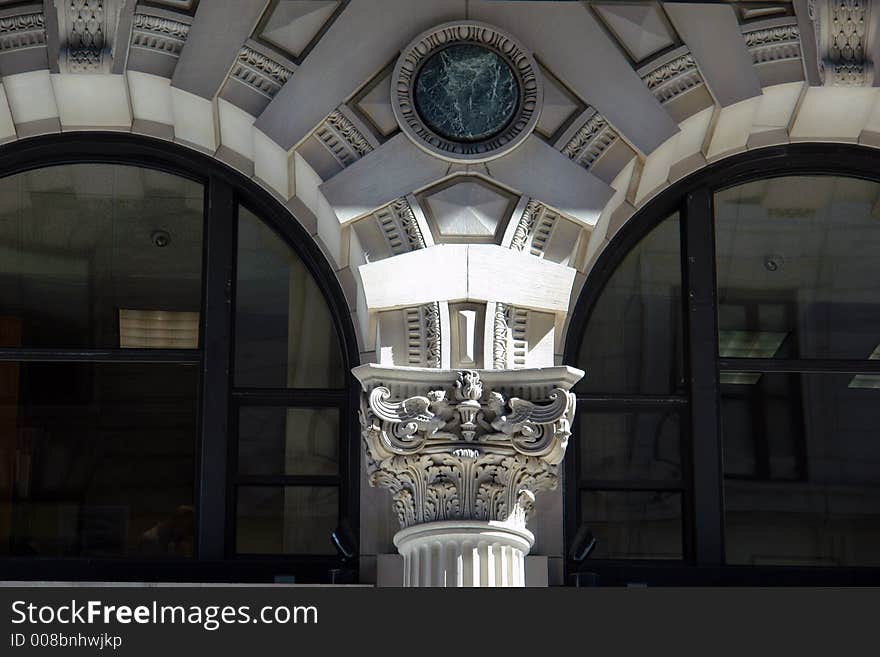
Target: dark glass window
288	441
642	445
286	520
797	264
284	334
99	255
634	524
152	409
802	470
632	342
759	450
629	460
98	459
288	469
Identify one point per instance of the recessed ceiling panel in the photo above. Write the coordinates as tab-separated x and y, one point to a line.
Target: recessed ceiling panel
293	24
640	28
471	210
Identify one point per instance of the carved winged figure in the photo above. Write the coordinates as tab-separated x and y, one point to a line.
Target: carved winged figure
407	417
524	415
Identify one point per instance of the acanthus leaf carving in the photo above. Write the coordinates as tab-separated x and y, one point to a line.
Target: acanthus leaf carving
464	452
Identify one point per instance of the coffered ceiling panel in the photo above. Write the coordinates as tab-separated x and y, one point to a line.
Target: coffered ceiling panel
640	28
292	25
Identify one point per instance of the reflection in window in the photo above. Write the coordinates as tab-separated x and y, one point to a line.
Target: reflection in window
286	520
284	334
97	460
632	342
630	446
797	266
802	471
634	524
288	441
81	242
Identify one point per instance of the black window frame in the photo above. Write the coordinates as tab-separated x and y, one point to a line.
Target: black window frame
703	519
226	189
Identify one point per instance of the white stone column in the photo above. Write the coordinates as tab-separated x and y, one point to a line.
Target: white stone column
463	454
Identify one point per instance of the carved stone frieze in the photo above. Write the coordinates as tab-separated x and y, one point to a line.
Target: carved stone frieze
260	72
525	226
343	139
158	34
673	78
845	34
86	30
534	228
466	448
398	224
23	31
423	335
774	44
589	143
500	336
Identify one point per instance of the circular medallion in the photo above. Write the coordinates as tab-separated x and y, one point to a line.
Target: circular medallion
466	92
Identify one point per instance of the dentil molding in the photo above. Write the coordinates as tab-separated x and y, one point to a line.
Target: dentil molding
465	445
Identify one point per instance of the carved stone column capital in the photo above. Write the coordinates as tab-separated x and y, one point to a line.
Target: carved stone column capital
463	454
465	445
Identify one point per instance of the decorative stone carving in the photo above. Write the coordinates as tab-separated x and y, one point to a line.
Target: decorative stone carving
398	224
524	227
590	141
423	335
534	229
463	454
86	30
673	78
261	73
473	137
500	337
24	31
845	32
465	449
343	139
774	44
431	314
158	34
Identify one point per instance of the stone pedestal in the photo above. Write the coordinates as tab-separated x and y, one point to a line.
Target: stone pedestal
463	454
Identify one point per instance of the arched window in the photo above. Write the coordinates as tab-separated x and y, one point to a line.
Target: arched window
174	372
730	336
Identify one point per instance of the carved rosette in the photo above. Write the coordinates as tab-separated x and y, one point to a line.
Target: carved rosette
522	64
464	450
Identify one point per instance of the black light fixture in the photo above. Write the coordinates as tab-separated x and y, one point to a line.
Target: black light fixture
583	544
160	238
346	544
582	547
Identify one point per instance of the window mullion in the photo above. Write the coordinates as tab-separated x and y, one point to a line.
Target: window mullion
702	353
216	333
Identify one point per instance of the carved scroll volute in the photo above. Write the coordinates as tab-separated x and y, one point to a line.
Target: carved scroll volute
402	426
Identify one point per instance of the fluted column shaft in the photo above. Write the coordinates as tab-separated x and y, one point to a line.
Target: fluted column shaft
464	554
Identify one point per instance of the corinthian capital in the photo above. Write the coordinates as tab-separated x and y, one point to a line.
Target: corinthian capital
465	445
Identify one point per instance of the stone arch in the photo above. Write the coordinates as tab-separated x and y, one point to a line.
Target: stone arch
284	99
